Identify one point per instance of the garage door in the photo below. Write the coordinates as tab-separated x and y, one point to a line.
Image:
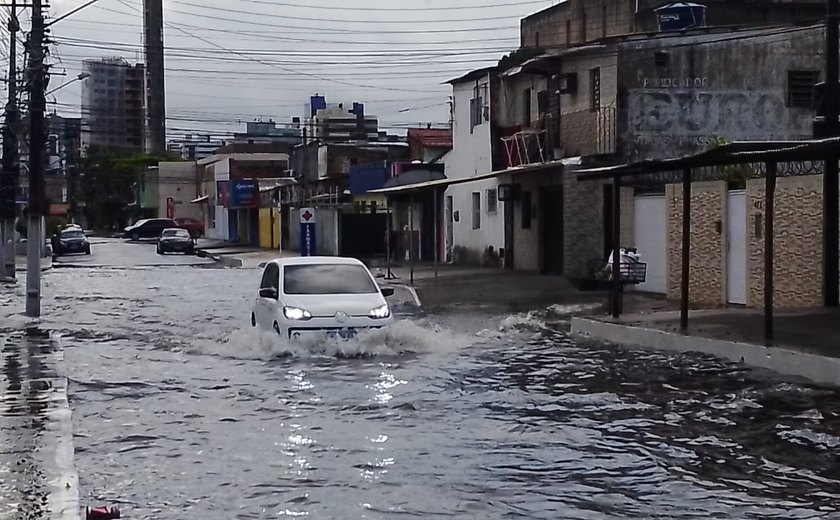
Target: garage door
651	240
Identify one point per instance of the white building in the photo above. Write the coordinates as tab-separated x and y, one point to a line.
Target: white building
195	148
473	215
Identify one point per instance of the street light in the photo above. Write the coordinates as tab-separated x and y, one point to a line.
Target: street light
80	77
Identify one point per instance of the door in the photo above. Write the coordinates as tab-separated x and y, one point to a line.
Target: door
736	247
552	230
651	233
450	226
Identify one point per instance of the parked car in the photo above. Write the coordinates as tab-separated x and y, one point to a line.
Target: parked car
70	241
175	240
193	225
148	228
320	296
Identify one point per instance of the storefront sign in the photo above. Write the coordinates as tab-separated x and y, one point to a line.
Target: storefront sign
244	194
307	232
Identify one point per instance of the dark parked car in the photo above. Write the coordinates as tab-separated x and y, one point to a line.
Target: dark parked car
71	241
148	228
193	225
175	240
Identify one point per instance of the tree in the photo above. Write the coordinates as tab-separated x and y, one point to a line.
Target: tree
108	180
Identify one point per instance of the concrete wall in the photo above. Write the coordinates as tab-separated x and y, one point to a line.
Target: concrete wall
472	154
735	88
563	24
797	242
177	180
326	231
708	242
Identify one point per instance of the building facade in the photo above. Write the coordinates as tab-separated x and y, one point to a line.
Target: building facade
576	22
113	105
195	148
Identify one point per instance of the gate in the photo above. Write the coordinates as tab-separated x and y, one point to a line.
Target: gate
362	235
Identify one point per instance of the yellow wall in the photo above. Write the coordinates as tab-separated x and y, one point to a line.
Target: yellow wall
269	236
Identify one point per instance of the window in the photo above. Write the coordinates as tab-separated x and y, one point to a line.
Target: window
594	89
537	40
526	108
327	279
476	210
476	108
568	33
660	58
492	201
800	88
526	210
271	277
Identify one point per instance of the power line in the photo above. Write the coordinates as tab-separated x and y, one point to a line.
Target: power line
398	9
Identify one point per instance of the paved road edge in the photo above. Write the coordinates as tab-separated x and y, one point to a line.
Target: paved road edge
819	369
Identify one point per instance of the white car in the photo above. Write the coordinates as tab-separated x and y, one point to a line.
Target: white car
320	296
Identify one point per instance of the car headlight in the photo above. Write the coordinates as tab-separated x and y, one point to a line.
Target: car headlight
380	313
293	313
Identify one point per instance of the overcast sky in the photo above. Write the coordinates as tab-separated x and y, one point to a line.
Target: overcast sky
236	60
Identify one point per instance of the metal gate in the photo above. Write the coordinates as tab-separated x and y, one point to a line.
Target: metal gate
651	233
736	248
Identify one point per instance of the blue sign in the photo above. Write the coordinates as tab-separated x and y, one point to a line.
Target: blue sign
244	194
307	232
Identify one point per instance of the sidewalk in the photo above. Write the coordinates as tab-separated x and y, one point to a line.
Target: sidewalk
806	339
237	255
37	472
20	264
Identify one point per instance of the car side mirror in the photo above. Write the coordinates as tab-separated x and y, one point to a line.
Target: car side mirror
268	292
388	291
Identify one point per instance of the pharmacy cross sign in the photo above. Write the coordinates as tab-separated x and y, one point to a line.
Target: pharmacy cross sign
307	232
306	216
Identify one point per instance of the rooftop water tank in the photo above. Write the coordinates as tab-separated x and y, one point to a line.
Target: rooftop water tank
681	16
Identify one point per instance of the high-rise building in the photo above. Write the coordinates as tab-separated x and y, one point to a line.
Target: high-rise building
113	109
155	83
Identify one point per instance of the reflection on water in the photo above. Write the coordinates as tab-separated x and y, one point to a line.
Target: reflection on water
25	401
182	411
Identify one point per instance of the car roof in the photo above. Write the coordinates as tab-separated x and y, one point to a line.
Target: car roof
317	260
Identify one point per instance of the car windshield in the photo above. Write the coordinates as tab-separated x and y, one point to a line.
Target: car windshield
141	222
176	233
327	279
75	233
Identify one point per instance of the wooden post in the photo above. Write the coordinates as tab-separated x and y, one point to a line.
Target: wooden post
769	218
411	234
435	223
616	249
686	250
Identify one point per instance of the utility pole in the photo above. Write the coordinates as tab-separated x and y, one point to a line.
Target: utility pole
153	39
36	85
831	189
10	168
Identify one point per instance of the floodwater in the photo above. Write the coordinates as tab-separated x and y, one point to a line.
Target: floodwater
182	411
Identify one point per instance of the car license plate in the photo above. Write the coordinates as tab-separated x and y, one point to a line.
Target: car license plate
342	334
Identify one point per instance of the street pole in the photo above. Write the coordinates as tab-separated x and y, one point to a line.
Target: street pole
36	85
11	169
831	189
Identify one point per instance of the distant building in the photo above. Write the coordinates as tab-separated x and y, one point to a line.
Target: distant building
113	106
195	148
268	132
63	154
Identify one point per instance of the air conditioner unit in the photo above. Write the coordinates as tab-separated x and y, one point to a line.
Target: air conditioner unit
567	83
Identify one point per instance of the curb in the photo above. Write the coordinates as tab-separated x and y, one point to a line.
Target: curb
819	369
226	261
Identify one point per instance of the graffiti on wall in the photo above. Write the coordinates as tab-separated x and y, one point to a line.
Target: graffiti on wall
688	119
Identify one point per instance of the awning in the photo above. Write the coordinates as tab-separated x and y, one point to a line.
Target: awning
517	170
200	200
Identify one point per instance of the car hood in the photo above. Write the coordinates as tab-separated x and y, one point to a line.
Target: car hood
327	305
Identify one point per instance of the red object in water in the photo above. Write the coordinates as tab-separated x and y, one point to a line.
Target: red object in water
101	513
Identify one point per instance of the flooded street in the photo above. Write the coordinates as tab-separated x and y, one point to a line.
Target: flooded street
181	410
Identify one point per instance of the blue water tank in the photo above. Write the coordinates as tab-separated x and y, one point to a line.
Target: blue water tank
316	103
680	16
